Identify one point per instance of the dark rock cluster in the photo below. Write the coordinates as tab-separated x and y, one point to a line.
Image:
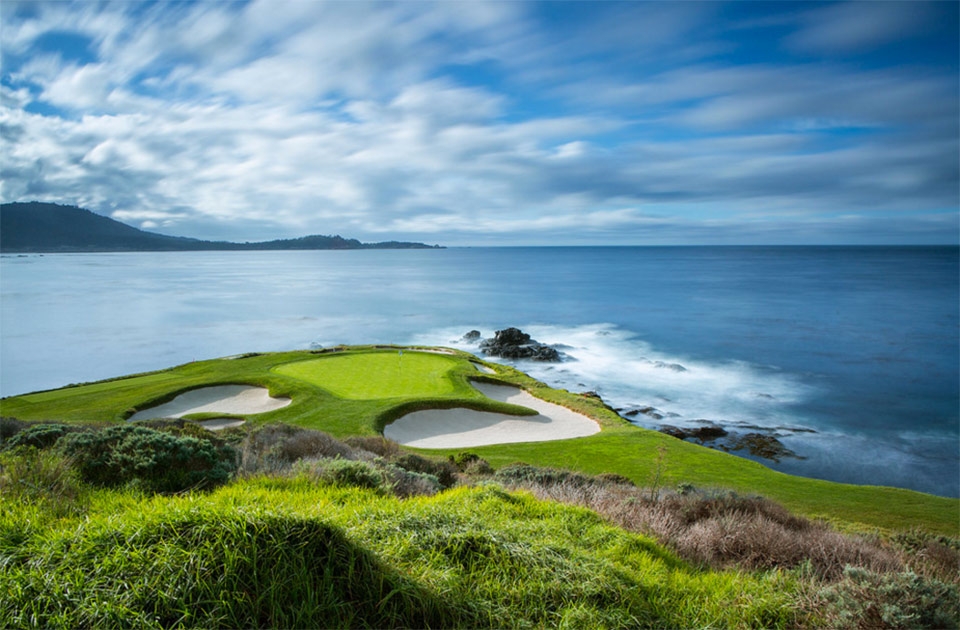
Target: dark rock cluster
762	445
757	444
513	343
702	434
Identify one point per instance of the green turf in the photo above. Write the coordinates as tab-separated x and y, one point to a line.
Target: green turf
336	392
378	375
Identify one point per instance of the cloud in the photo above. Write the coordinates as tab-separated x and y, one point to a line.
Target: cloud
466	121
858	26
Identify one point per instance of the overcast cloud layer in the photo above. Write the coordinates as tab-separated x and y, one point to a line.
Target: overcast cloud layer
490	123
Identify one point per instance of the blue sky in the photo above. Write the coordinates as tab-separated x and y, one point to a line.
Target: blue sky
473	123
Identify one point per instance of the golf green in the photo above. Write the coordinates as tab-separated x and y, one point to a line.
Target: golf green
377	375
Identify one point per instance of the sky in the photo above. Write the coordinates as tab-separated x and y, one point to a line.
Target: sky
490	123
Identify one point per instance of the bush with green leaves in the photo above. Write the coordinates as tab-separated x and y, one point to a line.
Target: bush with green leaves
344	472
865	599
38	436
444	471
155	460
407	483
525	473
275	447
376	444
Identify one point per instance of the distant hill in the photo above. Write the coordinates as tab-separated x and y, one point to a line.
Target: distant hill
49	227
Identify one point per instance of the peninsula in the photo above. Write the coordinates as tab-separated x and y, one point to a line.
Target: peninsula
264	490
36	227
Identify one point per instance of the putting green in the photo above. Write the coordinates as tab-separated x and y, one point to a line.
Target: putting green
377	375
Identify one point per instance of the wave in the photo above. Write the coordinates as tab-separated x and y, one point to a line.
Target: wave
652	387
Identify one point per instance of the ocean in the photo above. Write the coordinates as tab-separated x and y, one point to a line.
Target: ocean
850	357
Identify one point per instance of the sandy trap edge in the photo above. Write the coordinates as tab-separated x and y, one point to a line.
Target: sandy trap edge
459	427
231	399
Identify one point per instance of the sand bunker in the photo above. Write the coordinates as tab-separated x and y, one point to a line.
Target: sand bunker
457	428
218	424
232	399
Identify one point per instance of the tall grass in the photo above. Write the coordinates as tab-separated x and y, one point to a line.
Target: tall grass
287	552
319	533
719	530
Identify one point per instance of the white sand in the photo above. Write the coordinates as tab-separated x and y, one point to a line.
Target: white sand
217	424
232	399
457	428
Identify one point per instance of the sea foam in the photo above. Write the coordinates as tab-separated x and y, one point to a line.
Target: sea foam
653	387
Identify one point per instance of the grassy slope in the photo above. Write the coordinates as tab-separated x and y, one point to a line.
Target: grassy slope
289	553
431	380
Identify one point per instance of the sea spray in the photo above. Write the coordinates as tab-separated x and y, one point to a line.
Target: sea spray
631	375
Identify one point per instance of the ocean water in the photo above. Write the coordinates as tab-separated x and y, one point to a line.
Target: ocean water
849	356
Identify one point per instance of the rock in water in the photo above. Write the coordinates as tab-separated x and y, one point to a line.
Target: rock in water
702	434
473	335
513	343
766	446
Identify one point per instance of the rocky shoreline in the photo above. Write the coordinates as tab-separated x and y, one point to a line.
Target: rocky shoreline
758	441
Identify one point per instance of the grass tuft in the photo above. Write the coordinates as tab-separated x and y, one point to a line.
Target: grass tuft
716	530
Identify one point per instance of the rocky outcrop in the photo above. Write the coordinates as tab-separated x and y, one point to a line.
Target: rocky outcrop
762	445
702	434
513	343
650	412
757	444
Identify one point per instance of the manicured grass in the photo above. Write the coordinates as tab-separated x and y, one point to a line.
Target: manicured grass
377	375
276	552
336	392
312	405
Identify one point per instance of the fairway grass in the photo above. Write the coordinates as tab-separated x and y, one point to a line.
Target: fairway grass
357	391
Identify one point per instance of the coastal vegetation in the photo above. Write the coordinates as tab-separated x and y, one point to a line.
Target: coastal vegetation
307	516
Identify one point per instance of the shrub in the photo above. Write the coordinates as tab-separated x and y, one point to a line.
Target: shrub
157	461
378	445
274	447
478	467
931	555
463	459
865	599
444	471
10	427
407	483
525	473
38	436
180	427
471	463
343	472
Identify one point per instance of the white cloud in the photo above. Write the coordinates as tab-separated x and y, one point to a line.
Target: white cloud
300	117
